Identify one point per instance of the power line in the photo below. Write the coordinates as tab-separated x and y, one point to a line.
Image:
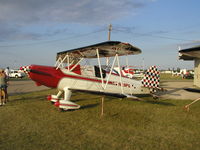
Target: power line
155	36
50	41
101	30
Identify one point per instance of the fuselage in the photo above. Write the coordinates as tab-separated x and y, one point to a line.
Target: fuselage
86	79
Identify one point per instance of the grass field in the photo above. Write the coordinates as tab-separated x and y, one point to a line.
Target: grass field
167	76
28	121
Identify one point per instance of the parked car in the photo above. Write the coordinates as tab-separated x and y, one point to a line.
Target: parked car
16	74
188	76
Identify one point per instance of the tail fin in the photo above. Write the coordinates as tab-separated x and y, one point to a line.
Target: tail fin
25	69
151	79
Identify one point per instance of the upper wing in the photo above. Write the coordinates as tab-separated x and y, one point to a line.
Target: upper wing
190	53
106	49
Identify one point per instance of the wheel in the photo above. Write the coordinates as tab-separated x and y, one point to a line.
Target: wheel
155	97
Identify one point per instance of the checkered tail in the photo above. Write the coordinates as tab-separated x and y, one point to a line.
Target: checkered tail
151	79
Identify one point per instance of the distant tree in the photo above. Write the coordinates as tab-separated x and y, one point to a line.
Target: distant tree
178	69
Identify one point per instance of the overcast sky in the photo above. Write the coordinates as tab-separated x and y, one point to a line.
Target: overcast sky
33	31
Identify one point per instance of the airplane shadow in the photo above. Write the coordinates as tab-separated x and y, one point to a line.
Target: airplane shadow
150	100
89	106
159	102
84	99
171	92
78	100
97	97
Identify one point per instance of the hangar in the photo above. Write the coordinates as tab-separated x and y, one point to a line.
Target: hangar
192	54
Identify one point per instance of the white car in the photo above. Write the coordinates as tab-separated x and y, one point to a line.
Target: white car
16	74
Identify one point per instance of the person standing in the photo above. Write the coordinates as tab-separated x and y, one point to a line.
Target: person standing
7	71
3	87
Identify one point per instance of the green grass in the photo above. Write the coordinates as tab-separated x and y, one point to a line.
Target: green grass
28	121
167	76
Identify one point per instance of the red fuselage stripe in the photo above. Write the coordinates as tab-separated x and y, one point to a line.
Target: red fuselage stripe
54	76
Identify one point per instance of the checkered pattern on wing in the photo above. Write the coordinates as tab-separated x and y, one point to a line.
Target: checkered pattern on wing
151	78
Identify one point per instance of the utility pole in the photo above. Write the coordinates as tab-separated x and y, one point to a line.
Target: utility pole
143	64
109	31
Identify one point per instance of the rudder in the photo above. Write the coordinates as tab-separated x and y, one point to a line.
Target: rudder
151	79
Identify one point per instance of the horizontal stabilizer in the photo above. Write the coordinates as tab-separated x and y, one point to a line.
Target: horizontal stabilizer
132	97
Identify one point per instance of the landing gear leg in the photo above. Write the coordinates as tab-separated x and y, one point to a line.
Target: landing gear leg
59	93
67	94
54	98
66	104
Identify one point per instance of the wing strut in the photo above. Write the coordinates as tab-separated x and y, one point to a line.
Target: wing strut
110	71
120	74
76	64
60	61
116	58
99	62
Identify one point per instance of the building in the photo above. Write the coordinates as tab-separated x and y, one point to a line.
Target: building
192	54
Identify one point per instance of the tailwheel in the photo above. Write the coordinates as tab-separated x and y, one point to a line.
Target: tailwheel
155	97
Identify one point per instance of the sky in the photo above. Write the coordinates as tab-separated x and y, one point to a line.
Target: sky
33	31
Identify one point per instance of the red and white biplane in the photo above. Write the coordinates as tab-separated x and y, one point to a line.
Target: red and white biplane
70	75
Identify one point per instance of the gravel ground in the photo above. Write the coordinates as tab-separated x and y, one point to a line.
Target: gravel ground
174	89
19	87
